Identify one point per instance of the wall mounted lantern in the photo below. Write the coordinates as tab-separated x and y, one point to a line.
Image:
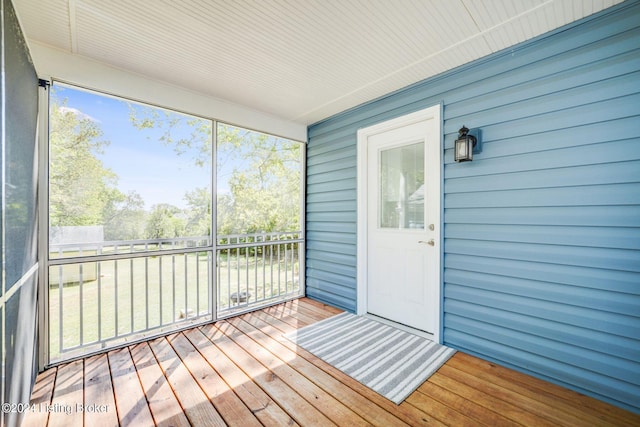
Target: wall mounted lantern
465	146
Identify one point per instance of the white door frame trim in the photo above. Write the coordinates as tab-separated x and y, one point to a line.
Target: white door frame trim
431	113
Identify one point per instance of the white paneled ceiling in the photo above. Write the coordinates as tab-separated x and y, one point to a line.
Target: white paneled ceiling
300	60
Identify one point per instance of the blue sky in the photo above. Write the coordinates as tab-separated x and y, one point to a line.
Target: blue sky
142	162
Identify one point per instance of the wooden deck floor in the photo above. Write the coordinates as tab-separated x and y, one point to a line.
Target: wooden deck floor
242	372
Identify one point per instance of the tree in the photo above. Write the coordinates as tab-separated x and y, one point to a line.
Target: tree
185	133
198	213
264	182
124	216
82	190
164	222
264	186
80	184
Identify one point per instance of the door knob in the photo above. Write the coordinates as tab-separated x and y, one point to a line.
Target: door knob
430	242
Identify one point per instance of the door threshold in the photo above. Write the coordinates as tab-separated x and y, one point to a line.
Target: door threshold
411	330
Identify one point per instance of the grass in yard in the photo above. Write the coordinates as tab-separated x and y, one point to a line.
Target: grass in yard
142	294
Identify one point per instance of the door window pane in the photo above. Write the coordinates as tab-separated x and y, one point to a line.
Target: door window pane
401	198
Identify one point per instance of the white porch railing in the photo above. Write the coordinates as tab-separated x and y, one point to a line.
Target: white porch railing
257	269
106	294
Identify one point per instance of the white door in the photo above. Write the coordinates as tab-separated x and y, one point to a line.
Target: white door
403	220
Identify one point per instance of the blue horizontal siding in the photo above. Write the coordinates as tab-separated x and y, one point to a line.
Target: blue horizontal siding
324	289
560	176
331	156
598	299
584	256
612	90
333	247
595	195
328	236
554	139
579	276
345	270
578	336
597	237
336	176
341	163
618	369
579	155
333	258
343	227
541	254
317	189
595	216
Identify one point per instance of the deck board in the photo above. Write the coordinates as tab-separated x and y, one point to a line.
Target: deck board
275	328
405	412
259	403
359	404
40	398
98	393
163	404
242	371
446	415
323	400
130	400
470	409
285	396
194	402
68	393
226	402
490	397
592	411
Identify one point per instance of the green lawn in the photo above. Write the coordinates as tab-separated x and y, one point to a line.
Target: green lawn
153	291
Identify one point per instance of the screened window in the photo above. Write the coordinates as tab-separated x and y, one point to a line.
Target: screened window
259	234
126	181
134	249
259	183
125	177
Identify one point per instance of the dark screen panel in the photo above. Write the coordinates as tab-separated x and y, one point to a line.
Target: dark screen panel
19	215
21	108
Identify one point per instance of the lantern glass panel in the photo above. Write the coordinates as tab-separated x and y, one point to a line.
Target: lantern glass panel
463	149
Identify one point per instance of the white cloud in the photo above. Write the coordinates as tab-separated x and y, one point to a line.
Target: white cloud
78	113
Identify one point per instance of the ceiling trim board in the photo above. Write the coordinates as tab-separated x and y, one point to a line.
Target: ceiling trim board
52	63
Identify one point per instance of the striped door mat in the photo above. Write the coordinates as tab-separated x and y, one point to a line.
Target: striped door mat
388	360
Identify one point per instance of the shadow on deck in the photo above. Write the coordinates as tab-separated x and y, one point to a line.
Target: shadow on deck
242	372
